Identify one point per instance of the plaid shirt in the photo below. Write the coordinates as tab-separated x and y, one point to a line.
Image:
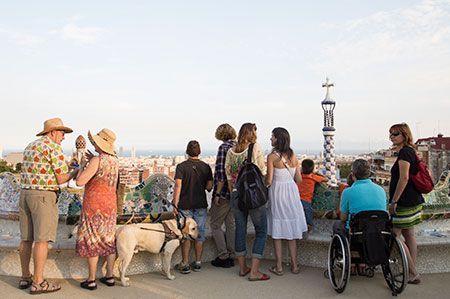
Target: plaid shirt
219	172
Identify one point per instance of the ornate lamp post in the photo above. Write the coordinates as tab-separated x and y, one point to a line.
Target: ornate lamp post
328	134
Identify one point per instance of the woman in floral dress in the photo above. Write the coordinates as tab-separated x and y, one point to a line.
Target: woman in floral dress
96	230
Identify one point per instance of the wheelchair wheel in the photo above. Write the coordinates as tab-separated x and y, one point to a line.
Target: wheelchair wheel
395	270
339	263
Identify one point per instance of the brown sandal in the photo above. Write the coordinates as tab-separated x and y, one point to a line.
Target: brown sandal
25	282
44	287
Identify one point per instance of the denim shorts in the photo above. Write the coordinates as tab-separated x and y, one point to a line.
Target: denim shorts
199	215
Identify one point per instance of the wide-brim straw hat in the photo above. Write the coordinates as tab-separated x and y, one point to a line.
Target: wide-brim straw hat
104	140
54	124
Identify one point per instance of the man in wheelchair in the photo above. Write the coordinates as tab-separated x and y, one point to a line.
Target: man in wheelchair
363	195
363	237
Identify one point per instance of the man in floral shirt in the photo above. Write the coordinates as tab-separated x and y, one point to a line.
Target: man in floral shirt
43	169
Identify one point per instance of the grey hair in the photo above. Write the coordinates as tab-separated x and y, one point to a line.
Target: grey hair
361	169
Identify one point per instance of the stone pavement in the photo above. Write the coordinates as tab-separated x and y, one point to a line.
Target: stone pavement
213	282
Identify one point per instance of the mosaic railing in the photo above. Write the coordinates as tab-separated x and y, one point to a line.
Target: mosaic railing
145	202
148	200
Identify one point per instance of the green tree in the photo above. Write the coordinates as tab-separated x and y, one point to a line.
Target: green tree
345	170
18	167
5	168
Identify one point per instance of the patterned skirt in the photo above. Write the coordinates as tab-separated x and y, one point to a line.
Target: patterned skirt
96	234
407	217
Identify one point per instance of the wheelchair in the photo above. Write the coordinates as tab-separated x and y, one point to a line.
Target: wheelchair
372	239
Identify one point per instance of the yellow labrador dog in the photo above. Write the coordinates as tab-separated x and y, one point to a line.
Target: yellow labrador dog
164	238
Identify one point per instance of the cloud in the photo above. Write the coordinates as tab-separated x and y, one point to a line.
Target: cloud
81	35
20	38
409	34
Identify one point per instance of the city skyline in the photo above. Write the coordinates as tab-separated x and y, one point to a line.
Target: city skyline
161	74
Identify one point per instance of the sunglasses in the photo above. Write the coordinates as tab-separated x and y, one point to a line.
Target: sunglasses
395	134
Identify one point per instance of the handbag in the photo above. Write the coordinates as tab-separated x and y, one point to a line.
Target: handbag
422	179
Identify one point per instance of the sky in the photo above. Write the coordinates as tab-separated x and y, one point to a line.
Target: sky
161	73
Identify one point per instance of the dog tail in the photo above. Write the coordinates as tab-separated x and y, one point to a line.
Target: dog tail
129	220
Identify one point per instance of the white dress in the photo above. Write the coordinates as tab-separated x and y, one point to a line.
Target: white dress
285	215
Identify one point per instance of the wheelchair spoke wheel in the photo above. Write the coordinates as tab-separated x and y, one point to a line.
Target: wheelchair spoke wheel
395	270
339	263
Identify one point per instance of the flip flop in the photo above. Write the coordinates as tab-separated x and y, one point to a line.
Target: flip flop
261	278
245	273
275	271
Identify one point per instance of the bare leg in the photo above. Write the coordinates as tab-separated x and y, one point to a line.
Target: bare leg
198	250
243	268
110	259
277	245
39	258
410	240
411	264
25	248
292	245
185	248
255	268
92	264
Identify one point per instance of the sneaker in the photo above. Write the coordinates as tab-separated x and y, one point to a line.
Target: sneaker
196	266
223	263
183	268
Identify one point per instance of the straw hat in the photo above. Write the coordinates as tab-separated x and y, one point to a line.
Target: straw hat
104	140
54	124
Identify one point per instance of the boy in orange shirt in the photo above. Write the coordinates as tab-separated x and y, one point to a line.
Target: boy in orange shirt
306	188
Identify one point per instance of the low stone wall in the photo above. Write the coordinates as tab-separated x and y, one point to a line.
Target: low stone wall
312	250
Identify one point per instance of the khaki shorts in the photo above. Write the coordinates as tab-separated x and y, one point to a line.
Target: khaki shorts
38	215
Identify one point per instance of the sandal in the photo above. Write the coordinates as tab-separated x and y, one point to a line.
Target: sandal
297	271
275	271
245	273
415	279
25	282
44	287
109	281
89	285
260	278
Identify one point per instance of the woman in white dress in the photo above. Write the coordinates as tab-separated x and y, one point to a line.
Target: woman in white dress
286	218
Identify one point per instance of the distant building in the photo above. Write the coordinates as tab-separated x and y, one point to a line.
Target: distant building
1	151
13	158
130	176
120	154
435	152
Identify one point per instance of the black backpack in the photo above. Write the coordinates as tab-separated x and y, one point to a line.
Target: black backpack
252	192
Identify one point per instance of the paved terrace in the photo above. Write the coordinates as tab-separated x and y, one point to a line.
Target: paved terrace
225	283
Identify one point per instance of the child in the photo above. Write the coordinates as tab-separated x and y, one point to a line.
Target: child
306	188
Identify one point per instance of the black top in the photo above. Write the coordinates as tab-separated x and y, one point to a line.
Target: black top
410	196
194	175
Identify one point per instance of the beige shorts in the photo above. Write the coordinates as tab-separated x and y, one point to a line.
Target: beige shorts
38	215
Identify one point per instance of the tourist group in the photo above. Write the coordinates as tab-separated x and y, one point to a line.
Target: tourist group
275	192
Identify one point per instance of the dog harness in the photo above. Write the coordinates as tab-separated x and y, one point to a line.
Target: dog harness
169	235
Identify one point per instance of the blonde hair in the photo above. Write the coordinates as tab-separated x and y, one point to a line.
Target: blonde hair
247	134
404	129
